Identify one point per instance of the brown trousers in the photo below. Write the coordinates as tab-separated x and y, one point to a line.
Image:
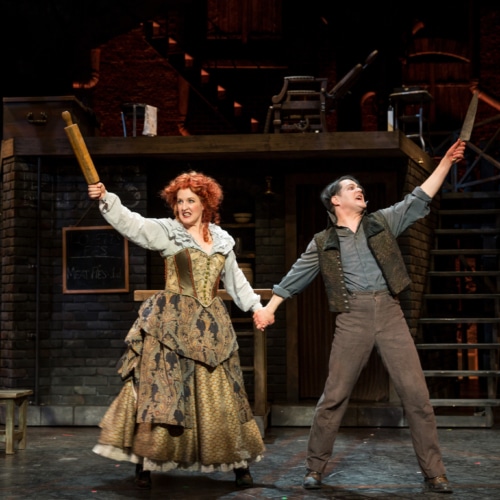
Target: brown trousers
376	319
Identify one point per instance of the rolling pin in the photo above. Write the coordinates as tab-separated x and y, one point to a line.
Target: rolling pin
80	149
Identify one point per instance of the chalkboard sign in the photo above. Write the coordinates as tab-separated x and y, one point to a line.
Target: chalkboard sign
95	260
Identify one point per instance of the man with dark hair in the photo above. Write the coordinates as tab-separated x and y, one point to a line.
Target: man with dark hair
363	272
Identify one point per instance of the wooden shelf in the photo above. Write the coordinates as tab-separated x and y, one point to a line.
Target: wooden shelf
236	225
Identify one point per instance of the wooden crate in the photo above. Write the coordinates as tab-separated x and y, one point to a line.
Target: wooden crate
41	117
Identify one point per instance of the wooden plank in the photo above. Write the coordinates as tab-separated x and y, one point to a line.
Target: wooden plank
461	373
232	146
466	251
15	393
260	372
489	345
461	296
465	402
471	211
479	230
464	273
467	195
484	420
458	320
265	294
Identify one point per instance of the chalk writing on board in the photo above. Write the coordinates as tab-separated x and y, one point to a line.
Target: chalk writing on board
95	260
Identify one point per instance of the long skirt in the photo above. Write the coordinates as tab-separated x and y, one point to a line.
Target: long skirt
218	438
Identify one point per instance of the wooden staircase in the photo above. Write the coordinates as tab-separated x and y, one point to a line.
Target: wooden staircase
229	95
458	333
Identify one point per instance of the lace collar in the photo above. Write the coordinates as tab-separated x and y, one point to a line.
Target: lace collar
223	242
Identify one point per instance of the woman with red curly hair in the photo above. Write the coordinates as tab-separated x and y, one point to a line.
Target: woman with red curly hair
183	404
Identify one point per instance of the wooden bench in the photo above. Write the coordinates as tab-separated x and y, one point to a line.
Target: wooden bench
12	433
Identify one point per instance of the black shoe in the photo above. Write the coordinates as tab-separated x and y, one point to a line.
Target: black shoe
312	480
439	484
243	478
142	478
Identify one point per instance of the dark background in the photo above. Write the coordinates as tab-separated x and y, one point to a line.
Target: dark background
46	44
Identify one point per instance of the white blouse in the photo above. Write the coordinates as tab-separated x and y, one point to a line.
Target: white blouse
168	236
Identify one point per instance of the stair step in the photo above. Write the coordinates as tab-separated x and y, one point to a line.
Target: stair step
465	402
463	273
461	296
461	231
458	320
482	420
471	213
489	345
467	195
474	211
466	251
220	99
461	373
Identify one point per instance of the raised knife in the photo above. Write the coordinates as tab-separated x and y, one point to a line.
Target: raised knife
468	124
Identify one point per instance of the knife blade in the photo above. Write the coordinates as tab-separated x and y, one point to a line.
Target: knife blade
470	116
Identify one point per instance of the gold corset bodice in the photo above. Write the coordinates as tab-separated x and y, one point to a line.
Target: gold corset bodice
194	273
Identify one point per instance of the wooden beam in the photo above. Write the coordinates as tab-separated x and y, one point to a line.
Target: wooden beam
235	146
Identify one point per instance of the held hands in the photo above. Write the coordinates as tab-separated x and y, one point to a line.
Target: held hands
265	316
96	191
456	151
262	318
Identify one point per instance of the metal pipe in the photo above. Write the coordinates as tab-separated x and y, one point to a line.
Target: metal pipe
37	282
95	62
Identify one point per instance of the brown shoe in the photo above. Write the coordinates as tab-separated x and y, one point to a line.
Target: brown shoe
312	480
439	484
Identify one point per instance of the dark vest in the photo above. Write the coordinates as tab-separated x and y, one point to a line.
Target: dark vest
384	248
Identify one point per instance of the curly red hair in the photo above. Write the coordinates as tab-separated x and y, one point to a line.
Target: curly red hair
208	190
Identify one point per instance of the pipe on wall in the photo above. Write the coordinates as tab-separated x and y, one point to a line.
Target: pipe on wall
95	63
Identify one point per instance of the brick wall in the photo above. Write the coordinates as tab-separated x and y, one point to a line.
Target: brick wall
131	71
19	203
415	244
65	346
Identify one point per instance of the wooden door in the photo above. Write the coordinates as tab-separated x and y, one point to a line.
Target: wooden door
311	326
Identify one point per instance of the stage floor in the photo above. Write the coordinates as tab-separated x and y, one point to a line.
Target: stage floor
58	463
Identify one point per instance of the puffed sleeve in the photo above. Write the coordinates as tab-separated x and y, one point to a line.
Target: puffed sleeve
238	286
148	233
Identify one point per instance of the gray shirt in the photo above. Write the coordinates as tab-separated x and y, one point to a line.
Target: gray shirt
361	271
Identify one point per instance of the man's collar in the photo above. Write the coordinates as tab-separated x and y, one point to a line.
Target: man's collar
332	219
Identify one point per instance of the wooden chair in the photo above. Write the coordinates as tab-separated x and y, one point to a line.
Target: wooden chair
299	107
304	101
